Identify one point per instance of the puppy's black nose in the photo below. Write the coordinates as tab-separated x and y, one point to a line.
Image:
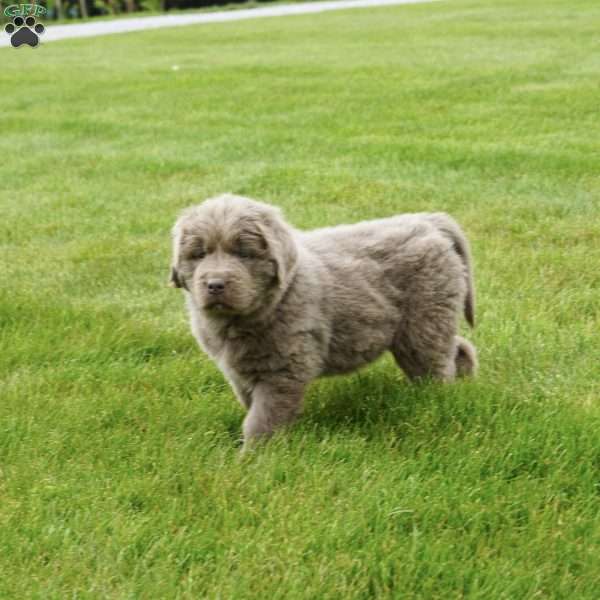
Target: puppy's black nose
215	286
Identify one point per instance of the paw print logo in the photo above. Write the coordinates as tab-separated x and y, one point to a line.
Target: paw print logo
24	31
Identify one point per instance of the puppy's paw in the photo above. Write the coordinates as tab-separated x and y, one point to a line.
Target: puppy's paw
466	358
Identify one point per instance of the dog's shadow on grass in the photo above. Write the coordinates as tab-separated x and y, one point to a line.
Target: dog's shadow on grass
381	400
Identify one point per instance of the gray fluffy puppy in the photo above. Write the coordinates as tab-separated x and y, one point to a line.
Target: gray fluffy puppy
276	307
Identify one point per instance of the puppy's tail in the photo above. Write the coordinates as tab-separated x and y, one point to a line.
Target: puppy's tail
451	229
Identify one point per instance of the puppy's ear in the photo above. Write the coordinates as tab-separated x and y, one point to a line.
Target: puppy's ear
280	239
175	280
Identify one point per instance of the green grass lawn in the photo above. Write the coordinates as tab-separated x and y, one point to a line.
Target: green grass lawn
119	468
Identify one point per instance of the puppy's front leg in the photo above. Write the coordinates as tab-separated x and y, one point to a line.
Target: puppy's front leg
241	393
274	404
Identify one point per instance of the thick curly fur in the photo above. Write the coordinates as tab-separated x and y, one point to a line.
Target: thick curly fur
296	305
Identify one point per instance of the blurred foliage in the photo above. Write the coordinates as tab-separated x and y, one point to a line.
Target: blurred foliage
76	9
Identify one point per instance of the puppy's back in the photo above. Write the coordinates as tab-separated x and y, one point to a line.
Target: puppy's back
377	239
386	252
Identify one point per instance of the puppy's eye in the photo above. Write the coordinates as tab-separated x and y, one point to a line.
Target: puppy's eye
249	245
242	252
197	254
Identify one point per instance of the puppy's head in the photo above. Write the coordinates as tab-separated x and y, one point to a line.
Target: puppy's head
233	255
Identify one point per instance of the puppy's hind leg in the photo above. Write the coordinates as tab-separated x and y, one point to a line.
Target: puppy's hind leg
427	351
422	365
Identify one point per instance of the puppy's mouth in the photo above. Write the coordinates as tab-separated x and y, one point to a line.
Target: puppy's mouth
218	307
